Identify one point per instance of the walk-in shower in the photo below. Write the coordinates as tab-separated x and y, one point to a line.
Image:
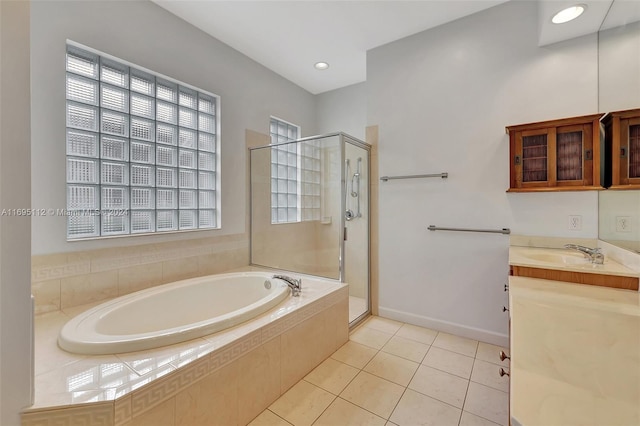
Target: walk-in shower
310	211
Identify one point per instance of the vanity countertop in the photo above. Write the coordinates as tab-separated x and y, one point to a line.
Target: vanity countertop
564	260
575	354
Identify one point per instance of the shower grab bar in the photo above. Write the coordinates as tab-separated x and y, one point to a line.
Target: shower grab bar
505	231
440	175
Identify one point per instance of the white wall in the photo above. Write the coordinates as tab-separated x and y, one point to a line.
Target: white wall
343	110
619	71
619	89
146	35
15	257
442	99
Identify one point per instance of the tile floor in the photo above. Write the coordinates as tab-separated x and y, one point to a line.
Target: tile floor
391	373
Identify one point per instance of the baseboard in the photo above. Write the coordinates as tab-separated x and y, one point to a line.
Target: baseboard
447	327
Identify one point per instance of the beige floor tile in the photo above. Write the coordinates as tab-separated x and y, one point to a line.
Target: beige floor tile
373	394
383	324
390	424
491	353
406	348
417	409
469	419
268	418
488	403
419	334
332	375
488	374
440	385
354	354
342	412
393	368
370	337
457	344
302	404
448	361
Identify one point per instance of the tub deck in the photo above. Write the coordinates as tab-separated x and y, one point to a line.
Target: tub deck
291	339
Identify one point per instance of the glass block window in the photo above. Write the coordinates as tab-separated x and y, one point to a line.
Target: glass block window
295	175
141	150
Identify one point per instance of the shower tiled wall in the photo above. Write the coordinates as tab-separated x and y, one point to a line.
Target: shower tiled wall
64	280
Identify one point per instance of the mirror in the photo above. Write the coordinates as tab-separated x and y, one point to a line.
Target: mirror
619	89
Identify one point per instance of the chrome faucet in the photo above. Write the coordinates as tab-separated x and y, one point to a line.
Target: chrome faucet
594	254
295	285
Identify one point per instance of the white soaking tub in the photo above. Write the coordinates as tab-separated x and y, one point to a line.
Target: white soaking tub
172	313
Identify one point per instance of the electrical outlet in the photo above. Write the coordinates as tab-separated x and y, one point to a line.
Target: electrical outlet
575	223
623	224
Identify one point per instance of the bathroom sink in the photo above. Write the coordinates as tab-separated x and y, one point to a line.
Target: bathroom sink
564	257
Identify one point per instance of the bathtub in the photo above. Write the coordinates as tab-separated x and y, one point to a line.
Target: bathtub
172	313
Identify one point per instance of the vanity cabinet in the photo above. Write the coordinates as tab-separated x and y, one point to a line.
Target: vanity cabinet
556	155
602	280
622	149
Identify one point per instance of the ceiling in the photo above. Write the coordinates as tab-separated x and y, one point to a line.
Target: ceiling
289	37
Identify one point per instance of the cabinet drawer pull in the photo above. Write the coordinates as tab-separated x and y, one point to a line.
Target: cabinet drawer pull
503	372
506	287
504	356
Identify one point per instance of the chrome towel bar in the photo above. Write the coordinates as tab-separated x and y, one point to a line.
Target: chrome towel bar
491	231
440	175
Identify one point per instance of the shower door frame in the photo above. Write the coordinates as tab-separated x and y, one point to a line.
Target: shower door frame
343	137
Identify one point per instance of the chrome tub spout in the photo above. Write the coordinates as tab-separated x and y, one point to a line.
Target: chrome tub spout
294	284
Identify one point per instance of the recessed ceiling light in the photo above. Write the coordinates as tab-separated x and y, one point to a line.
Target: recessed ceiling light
568	14
321	66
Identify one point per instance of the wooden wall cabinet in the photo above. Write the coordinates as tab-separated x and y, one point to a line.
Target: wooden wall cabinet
622	149
556	155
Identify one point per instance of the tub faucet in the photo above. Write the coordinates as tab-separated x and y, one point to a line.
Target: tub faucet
594	254
295	285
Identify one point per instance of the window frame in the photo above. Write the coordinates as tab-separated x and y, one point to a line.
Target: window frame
200	155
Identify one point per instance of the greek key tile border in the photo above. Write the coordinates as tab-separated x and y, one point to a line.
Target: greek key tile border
89	414
159	391
122	410
54	272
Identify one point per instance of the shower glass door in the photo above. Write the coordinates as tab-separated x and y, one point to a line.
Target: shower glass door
356	241
296	206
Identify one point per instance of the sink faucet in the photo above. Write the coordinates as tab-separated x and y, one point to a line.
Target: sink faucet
295	285
593	254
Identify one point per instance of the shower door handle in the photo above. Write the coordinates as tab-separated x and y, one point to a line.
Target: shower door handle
345	233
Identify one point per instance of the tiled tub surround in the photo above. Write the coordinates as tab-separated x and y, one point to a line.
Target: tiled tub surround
224	378
65	280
